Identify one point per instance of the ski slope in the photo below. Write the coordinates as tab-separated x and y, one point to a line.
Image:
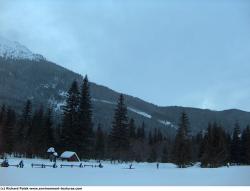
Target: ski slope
144	174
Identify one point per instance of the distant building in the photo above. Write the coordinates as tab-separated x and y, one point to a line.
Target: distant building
51	154
51	150
69	156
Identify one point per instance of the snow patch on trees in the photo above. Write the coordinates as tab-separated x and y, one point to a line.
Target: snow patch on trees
167	123
103	101
63	93
140	112
129	108
56	105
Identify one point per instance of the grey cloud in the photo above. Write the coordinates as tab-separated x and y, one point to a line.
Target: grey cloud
188	53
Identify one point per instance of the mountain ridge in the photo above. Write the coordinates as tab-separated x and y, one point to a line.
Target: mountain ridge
46	83
15	50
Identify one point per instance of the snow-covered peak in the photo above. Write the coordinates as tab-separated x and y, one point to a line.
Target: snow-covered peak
14	50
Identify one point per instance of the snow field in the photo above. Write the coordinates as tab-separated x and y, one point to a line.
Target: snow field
144	174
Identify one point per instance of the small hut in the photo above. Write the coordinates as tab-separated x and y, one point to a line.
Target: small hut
51	155
69	156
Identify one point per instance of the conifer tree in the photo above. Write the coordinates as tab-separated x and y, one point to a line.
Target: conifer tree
236	145
143	131
25	123
48	132
153	155
85	118
138	133
35	136
150	138
119	136
155	136
182	144
165	157
2	120
2	113
215	152
100	143
132	128
70	125
245	141
8	131
200	149
159	136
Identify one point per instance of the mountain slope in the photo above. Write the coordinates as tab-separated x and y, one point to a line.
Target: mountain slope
44	82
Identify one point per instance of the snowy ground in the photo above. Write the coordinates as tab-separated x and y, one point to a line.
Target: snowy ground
144	174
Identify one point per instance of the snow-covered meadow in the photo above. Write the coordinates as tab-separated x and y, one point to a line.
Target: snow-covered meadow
144	174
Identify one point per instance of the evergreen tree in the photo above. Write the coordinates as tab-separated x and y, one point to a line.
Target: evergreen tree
236	145
228	146
132	128
155	136
198	146
48	132
2	120
245	141
25	122
119	136
159	136
153	155
8	131
165	157
36	136
27	113
138	133
215	152
100	143
182	144
150	138
2	114
142	130
85	115
70	125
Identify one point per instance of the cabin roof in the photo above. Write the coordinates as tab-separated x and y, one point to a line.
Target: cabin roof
69	154
51	150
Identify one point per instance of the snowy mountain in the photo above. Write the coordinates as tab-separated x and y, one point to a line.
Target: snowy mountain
14	50
24	75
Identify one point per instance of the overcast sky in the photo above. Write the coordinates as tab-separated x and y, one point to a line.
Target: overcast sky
186	53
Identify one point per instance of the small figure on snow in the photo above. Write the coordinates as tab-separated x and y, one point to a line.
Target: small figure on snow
100	165
21	165
5	163
130	166
157	165
228	165
54	165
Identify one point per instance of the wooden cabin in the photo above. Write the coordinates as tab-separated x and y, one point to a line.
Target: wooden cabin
69	156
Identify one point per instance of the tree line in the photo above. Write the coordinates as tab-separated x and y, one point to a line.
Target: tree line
32	132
